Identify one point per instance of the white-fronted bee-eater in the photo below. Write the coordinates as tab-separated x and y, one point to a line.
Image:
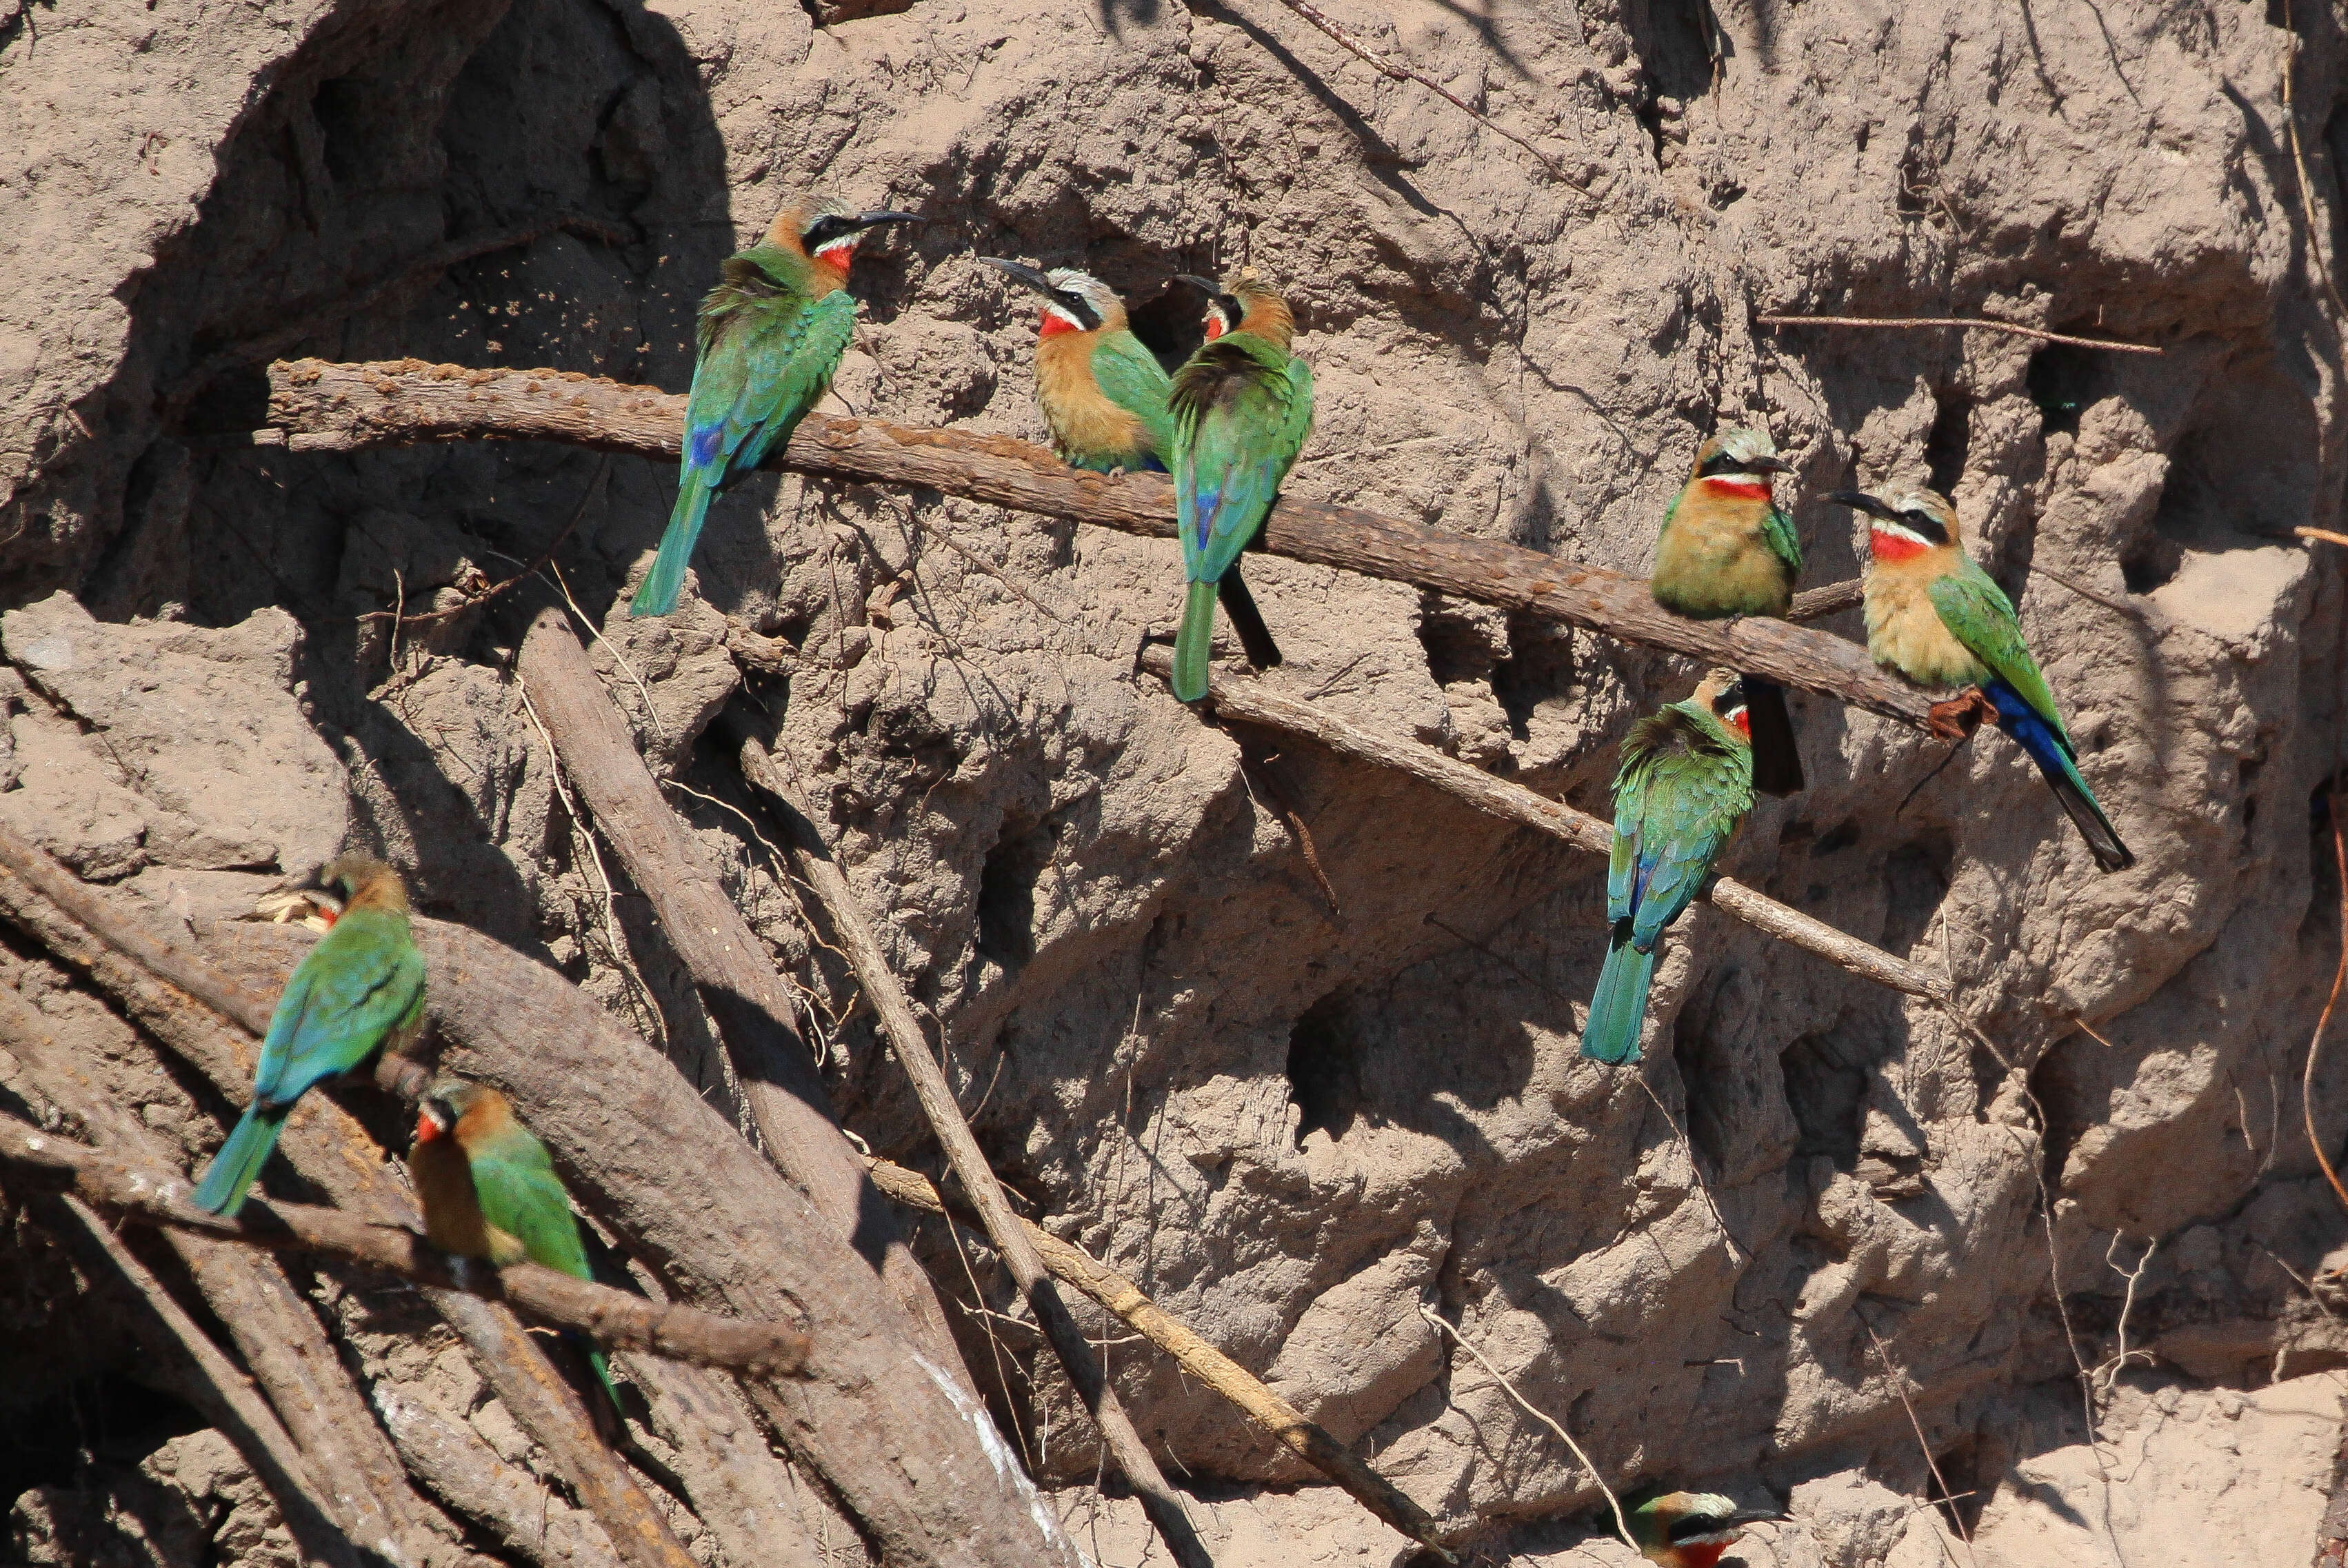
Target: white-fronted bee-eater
771	335
1242	404
1684	784
1936	618
1690	1529
1726	550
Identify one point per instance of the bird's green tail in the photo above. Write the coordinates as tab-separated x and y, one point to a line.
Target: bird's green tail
596	1359
1194	642
2086	814
663	585
1619	1009
240	1160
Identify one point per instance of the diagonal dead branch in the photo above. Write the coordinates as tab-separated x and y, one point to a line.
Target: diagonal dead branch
1306	1439
327	408
1249	698
813	860
2323	1019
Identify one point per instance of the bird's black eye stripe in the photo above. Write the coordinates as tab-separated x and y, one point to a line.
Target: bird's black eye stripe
825	230
1721	462
1925	523
1688	1526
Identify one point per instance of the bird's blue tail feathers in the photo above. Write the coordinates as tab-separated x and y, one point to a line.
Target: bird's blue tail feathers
665	583
1619	1009
2047	748
232	1173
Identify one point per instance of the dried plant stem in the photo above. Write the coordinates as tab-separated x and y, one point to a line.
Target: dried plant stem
1916	1425
2315	1041
2315	230
1387	66
813	860
1983	323
2327	535
1307	1439
1622	1523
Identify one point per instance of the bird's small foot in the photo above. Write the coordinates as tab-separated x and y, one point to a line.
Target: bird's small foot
1957	718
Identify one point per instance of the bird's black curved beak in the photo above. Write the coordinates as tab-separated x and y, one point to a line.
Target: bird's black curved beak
1859	500
1206	286
875	220
1770	466
1755	1516
1022	273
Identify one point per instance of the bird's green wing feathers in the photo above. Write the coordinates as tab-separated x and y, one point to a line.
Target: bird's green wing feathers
522	1195
1777	532
1677	801
1235	438
363	980
762	365
1979	614
1131	378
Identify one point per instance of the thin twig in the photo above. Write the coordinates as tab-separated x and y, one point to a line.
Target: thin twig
1387	66
2306	186
937	531
1911	323
2108	1374
1899	1387
1622	1523
475	601
2315	1041
2326	534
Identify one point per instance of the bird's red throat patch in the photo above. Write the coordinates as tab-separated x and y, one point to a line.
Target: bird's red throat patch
838	254
1054	324
1888	546
1741	490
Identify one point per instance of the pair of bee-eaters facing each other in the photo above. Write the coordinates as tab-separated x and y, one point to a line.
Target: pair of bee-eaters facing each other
487	1186
1227	423
1688	773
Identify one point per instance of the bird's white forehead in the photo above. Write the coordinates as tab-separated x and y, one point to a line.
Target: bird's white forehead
1745	442
1086	286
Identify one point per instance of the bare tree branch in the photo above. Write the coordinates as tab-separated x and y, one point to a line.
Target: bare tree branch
315	406
1244	697
729	962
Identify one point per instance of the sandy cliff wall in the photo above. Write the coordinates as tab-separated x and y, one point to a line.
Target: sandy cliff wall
1297	1126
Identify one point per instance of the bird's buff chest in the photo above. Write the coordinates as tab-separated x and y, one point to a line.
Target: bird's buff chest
1709	562
1083	421
1905	632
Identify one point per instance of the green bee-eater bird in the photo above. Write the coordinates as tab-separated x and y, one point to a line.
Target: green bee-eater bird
771	334
1936	618
489	1191
1726	550
1688	1529
1103	398
359	991
1685	782
1241	407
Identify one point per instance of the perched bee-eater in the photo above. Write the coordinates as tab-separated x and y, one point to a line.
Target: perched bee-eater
771	334
489	1191
359	991
1241	407
1685	783
1103	398
1936	618
1726	550
1689	1528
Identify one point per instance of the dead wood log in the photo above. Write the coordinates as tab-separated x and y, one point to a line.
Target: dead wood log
737	981
1253	701
137	1190
811	857
319	406
1308	1439
743	1493
335	1152
274	1332
897	1437
207	1377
